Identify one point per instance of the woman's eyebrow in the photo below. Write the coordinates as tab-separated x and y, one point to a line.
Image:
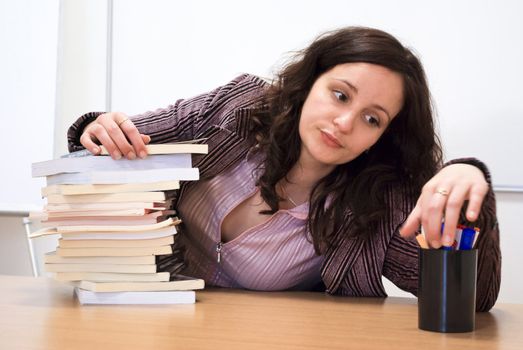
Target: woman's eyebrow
346	82
355	89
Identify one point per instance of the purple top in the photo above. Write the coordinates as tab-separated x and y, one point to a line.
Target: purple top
274	255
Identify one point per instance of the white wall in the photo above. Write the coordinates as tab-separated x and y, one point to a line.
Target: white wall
28	42
164	50
471	51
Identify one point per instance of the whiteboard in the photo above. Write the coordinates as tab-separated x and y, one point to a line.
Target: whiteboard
28	38
472	52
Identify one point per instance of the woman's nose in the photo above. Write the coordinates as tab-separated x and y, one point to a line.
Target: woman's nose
344	122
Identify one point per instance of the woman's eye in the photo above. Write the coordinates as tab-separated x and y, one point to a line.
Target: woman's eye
340	96
372	120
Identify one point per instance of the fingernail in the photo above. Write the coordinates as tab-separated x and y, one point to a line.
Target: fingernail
435	244
447	241
131	155
472	214
117	155
95	150
143	154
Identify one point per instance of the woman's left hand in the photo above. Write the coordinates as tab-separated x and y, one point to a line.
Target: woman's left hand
442	197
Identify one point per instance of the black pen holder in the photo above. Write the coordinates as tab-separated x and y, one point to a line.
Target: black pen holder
447	290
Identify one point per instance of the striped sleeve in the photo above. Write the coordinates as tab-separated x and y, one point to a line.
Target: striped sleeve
189	119
76	129
186	119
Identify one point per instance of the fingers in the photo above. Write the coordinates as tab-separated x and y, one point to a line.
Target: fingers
455	201
442	199
118	134
89	144
476	196
102	135
433	201
413	222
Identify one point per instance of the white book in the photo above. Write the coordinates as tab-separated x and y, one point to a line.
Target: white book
114	188
187	283
120	177
145	298
44	215
189	146
72	207
135	251
107	198
116	243
112	277
93	163
52	258
114	268
109	228
168	231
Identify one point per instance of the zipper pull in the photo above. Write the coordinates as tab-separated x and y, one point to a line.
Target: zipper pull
219	251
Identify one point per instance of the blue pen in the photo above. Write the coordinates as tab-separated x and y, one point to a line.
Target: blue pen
467	238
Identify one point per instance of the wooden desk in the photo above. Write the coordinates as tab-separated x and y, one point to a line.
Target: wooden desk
39	313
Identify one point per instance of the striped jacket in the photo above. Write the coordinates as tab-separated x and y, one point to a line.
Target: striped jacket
352	266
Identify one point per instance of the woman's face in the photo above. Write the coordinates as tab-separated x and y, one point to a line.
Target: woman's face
347	110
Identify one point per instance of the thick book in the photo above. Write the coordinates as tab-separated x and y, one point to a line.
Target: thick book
107	198
157	148
121	177
53	258
44	215
112	277
120	268
109	228
86	297
150	218
134	251
168	231
179	284
114	188
93	163
73	207
116	243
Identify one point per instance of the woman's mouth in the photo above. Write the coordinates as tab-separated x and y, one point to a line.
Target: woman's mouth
329	139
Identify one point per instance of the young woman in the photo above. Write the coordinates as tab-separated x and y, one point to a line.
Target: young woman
313	181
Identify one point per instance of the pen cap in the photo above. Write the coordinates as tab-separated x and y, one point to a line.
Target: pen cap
447	290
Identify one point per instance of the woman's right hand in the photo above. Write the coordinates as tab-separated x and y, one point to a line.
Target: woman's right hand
118	134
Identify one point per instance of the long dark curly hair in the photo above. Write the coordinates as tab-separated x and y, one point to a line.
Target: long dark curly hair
406	155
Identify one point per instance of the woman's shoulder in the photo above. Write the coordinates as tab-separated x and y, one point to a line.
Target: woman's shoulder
247	78
244	91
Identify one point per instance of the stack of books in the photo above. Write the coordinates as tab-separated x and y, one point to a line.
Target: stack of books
116	224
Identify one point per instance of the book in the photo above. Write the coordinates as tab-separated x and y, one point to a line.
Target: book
107	198
112	277
112	188
180	284
53	258
158	148
150	218
168	231
86	297
44	215
121	177
116	243
72	207
114	268
120	228
134	251
92	163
